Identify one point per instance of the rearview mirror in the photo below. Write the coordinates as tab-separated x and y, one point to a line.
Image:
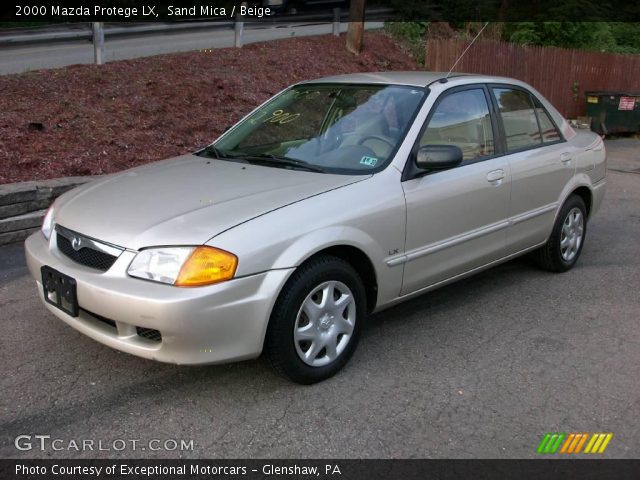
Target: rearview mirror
438	157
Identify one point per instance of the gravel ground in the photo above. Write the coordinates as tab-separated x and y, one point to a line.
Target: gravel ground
87	119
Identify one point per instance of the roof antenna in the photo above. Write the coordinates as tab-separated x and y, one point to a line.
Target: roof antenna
465	50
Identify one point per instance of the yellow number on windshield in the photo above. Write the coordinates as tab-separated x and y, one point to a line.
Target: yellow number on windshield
281	117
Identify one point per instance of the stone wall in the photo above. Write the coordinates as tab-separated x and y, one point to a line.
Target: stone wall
22	205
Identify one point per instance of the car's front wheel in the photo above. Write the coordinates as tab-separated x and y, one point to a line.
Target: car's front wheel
316	322
564	246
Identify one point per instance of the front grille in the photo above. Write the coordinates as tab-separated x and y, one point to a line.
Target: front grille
149	334
86	256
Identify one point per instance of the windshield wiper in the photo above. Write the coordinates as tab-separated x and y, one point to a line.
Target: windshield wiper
265	158
276	160
211	150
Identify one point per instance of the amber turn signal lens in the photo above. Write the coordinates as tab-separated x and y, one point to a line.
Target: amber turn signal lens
205	266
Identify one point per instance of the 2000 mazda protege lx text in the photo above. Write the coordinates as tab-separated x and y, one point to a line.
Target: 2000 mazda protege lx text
337	197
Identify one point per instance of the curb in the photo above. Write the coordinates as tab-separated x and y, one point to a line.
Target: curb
22	205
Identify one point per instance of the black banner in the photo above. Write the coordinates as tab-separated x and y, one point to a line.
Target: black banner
48	11
324	469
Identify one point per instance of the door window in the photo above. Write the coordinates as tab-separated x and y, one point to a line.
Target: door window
462	119
518	117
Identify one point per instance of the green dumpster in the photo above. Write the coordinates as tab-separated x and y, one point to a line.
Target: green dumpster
614	112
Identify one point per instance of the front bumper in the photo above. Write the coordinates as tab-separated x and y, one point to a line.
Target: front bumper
202	325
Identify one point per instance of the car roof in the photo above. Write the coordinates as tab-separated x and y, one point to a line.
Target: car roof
409	78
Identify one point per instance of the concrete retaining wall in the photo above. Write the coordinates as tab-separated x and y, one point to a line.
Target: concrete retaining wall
22	205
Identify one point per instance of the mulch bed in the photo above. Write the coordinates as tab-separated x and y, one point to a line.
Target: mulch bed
88	120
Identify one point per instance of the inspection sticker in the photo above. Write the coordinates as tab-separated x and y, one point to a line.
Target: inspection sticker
369	161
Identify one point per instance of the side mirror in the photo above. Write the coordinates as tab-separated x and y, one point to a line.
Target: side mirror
438	157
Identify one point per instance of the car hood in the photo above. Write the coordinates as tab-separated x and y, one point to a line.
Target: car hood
185	201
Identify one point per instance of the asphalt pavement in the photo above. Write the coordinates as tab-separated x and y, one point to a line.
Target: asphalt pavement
481	368
56	54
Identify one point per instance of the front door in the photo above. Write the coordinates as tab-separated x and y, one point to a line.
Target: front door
457	219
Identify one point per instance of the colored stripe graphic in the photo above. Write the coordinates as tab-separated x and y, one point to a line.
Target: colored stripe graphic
594	437
598	442
572	443
607	439
551	442
556	444
581	443
543	443
596	445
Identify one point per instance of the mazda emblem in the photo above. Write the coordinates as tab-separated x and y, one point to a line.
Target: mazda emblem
76	243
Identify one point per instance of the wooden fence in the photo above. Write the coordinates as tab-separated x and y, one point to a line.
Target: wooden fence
562	75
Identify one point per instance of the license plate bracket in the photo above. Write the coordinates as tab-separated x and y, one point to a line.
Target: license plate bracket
60	290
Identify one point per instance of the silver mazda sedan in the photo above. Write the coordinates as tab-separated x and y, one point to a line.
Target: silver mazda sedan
336	198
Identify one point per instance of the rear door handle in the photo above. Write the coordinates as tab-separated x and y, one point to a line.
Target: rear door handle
495	177
565	157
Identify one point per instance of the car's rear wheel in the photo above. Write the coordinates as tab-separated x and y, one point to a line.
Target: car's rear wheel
562	250
316	322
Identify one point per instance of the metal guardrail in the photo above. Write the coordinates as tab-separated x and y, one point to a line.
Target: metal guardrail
15	38
86	33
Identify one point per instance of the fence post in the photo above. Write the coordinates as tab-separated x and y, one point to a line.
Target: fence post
239	30
98	42
336	22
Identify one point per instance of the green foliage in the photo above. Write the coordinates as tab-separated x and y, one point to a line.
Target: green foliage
412	31
599	36
412	35
626	36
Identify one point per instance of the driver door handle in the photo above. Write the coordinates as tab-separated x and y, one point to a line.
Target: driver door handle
495	177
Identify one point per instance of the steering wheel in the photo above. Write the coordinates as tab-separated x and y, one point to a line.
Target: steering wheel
376	137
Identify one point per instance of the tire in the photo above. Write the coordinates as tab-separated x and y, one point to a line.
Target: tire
555	255
307	339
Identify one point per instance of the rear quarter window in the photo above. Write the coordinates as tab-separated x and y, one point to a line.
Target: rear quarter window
548	130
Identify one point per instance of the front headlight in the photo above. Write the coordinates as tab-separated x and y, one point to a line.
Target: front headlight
184	266
47	223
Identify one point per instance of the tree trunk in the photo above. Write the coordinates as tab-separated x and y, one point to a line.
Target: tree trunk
355	32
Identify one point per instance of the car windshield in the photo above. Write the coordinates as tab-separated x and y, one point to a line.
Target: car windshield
337	128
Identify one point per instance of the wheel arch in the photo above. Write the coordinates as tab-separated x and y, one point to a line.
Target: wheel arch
586	194
580	185
361	263
354	246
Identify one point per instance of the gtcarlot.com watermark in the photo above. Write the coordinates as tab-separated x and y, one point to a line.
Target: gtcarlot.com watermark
46	443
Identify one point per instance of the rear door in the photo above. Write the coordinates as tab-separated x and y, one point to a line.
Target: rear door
457	218
541	164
